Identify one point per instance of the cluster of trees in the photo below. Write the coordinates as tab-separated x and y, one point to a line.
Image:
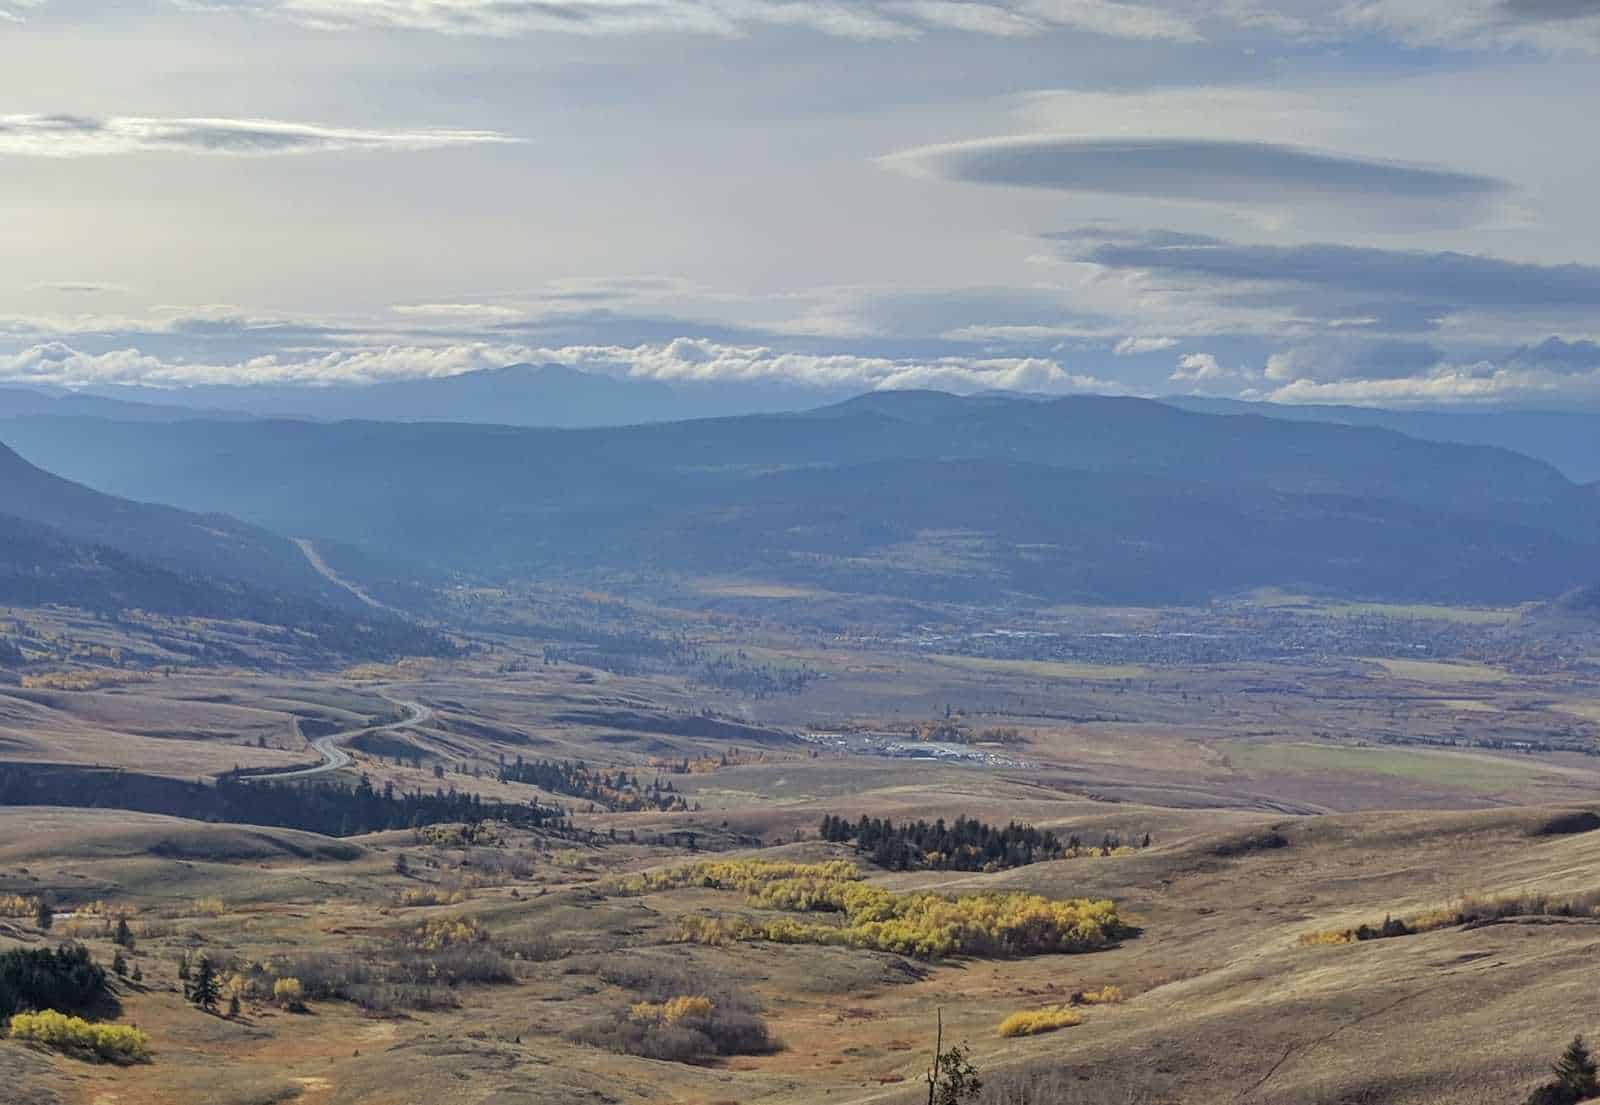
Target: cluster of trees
65	978
926	926
619	793
114	1043
329	808
1576	1078
965	844
738	673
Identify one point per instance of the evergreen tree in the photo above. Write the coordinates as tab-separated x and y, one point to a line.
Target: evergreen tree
205	990
233	1006
123	937
119	964
1576	1072
44	916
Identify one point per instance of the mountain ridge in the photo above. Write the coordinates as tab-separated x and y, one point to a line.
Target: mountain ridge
1313	505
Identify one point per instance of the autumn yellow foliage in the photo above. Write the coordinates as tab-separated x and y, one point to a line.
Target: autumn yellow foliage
927	926
89	680
1106	995
1034	1022
288	993
447	932
747	875
15	905
114	1042
672	1011
208	907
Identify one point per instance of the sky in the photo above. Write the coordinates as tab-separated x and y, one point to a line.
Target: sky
1387	202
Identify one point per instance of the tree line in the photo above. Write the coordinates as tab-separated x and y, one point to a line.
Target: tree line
574	778
326	807
965	844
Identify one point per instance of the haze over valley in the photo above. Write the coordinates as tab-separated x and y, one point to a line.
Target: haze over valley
697	552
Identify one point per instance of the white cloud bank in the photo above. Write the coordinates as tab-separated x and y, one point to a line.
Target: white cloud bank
684	360
86	136
888	19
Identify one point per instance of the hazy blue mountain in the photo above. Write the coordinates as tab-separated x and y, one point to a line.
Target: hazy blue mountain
18	402
1568	440
62	543
212	544
920	494
516	395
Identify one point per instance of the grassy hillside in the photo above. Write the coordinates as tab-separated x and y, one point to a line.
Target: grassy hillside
213	544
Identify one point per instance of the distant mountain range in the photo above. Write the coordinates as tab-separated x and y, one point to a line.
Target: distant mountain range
1568	440
517	395
557	396
918	494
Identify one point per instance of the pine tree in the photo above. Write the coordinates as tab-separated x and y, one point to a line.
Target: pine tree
119	964
205	990
1576	1072
233	1006
44	916
123	937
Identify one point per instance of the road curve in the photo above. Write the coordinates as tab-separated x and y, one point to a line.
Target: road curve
335	758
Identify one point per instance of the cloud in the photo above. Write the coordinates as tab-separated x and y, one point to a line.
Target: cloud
1195	368
1553	25
975	18
1343	285
517	18
1249	174
1480	383
1354	359
80	287
683	360
461	312
1133	347
1555	370
888	19
63	364
1539	11
86	136
1556	355
1105	17
702	361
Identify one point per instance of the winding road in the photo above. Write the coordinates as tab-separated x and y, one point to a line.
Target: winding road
325	570
335	758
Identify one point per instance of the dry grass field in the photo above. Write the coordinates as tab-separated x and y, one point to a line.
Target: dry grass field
1281	803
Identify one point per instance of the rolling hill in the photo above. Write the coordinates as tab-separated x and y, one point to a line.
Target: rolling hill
209	545
62	543
917	494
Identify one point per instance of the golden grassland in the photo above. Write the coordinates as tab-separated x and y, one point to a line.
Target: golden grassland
1441	673
1042	669
1468	771
1466	911
843	964
1273	598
